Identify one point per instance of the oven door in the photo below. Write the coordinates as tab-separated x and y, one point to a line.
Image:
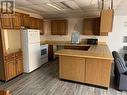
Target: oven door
44	51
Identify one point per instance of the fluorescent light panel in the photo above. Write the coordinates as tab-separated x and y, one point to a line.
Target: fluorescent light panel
53	6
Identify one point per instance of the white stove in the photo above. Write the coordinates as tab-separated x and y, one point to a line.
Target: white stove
44	54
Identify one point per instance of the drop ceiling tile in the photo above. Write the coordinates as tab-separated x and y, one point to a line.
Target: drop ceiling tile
39	1
72	4
78	6
22	2
83	3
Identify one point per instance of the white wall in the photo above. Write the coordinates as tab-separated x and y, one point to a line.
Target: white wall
115	39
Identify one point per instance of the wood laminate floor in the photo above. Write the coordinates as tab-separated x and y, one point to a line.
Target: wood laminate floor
44	81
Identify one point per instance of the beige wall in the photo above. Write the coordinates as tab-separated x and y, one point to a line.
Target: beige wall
12	39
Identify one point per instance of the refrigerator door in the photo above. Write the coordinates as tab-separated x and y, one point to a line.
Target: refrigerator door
33	36
34	56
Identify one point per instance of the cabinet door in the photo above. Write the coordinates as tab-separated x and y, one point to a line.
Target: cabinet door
98	72
50	52
19	63
88	26
6	22
41	26
91	26
17	21
33	23
54	28
10	67
106	21
96	26
47	27
62	27
72	68
19	66
25	20
59	27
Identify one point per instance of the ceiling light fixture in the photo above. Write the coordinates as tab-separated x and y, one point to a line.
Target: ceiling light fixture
53	6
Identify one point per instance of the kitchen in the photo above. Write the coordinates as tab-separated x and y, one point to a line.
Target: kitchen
68	49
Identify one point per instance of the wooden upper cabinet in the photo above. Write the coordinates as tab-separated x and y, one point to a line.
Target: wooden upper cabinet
11	21
59	27
6	22
106	21
100	26
17	21
91	26
25	20
88	26
33	23
40	26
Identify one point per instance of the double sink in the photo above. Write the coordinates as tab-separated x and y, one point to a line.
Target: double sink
77	46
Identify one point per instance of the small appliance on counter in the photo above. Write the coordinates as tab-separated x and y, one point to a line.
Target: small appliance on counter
92	41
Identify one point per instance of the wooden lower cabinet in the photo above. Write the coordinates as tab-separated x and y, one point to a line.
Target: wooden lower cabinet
4	92
19	64
10	67
98	72
13	65
72	68
50	52
85	70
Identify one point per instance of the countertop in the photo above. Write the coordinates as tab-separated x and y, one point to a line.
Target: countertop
11	51
65	43
100	51
95	51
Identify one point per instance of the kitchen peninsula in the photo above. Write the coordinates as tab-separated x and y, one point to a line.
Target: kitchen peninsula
92	65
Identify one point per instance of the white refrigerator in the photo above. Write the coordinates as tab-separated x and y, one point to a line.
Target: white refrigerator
31	49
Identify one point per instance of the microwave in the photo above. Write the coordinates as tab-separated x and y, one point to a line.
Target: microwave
92	41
